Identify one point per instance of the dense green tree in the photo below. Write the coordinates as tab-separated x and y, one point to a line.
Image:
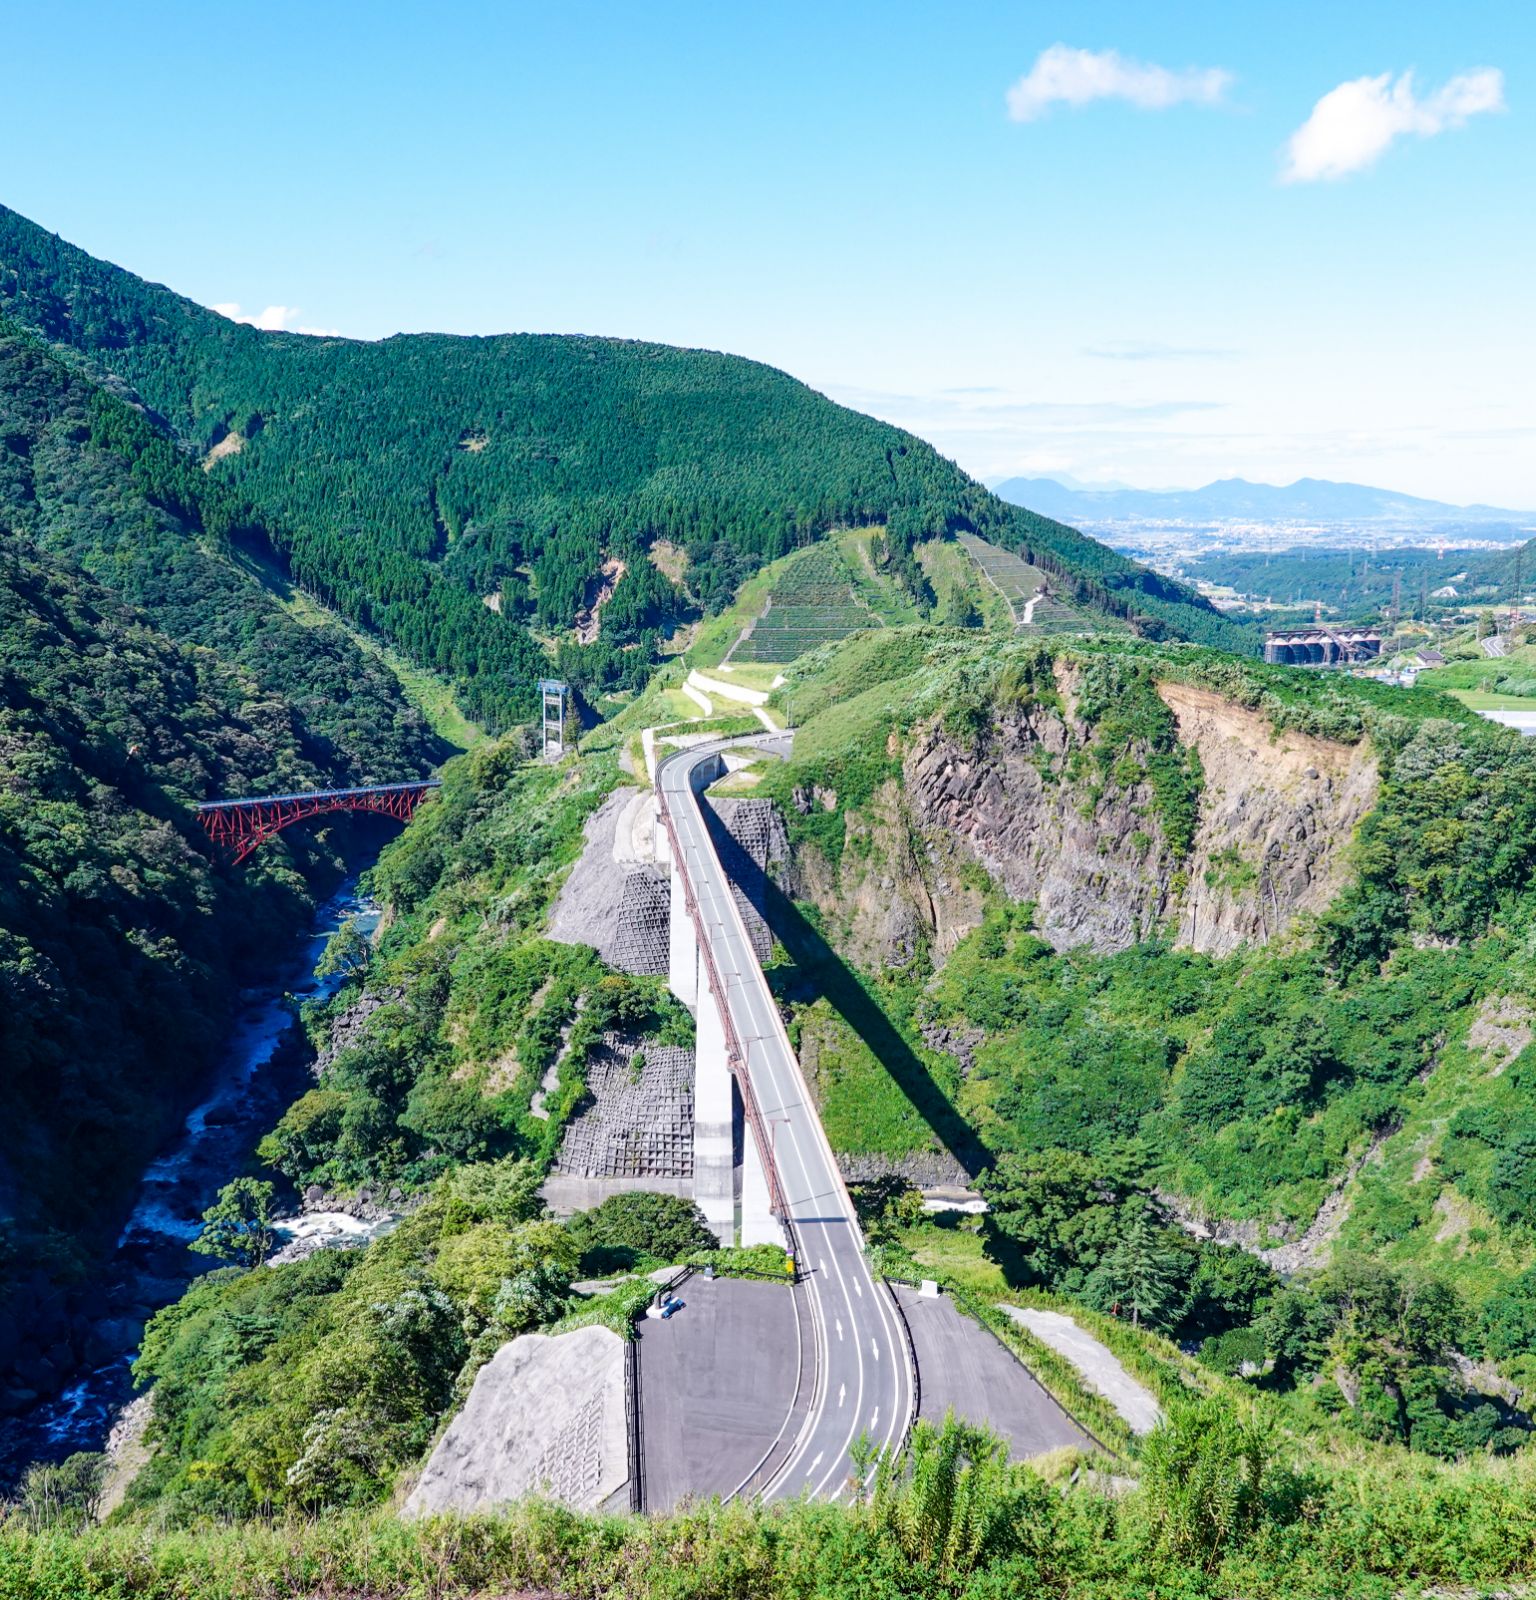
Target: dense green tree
347	953
238	1225
64	1496
1142	1275
629	1229
1058	1210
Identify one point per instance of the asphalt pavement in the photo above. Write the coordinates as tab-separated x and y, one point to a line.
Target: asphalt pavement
718	1387
864	1384
968	1370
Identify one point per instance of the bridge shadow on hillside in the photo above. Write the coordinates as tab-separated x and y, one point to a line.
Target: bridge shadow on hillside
823	974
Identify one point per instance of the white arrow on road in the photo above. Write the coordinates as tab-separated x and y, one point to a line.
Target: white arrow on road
876	1348
842	1394
874	1421
817	1462
857	1290
839	1327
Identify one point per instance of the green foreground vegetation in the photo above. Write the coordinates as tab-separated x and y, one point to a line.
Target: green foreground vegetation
1220	1509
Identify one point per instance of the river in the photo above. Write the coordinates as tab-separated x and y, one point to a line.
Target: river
254	1082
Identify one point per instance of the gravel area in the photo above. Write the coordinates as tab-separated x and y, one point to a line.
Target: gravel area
1100	1368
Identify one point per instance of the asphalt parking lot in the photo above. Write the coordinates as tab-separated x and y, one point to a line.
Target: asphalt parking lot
717	1382
962	1366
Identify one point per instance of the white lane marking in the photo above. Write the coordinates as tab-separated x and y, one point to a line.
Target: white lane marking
876	1348
722	925
842	1394
839	1330
856	1266
823	1263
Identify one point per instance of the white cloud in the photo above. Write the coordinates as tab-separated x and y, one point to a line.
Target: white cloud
275	319
1071	77
1352	125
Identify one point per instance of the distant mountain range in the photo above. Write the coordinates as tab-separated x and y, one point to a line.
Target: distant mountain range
1306	500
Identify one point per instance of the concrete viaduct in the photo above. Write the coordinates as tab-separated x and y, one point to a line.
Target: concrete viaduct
789	1190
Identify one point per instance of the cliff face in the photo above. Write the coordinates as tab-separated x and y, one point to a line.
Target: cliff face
1276	813
900	890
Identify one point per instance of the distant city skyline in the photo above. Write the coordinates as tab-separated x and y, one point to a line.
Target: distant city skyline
1157	246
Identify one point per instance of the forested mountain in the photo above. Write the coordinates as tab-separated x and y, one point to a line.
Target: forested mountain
410	480
1514	571
164	675
120	938
89	476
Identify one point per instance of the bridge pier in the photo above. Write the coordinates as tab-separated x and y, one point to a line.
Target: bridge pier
682	947
758	1223
716	1117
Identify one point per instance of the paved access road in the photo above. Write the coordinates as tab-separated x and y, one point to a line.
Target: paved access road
720	1387
968	1370
864	1381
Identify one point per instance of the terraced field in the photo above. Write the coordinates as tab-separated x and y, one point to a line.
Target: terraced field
1022	586
813	603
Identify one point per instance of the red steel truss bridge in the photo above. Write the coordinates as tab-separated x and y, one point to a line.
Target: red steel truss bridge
241	826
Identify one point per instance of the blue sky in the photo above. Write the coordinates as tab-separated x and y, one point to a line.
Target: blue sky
1123	270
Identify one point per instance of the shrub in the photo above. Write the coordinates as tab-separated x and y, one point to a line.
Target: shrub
638	1229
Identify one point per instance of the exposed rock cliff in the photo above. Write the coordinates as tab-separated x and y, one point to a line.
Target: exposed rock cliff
1086	839
1277	812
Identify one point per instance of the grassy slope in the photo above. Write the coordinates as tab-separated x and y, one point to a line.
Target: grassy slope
430	692
844	727
1502	683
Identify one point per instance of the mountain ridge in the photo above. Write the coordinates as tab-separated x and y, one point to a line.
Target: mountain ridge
408	481
1312	499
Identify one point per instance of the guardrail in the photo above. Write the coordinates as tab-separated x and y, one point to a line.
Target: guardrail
735	1055
321	794
632	1425
917	1381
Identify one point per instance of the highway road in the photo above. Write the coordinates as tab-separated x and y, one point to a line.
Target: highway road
864	1382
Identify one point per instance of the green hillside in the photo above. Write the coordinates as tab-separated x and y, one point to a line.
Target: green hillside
1347	1086
409	480
120	940
821	595
89	477
144	666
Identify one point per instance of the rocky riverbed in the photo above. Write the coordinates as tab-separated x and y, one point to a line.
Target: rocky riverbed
75	1382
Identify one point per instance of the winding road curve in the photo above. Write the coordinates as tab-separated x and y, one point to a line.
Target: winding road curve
864	1384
